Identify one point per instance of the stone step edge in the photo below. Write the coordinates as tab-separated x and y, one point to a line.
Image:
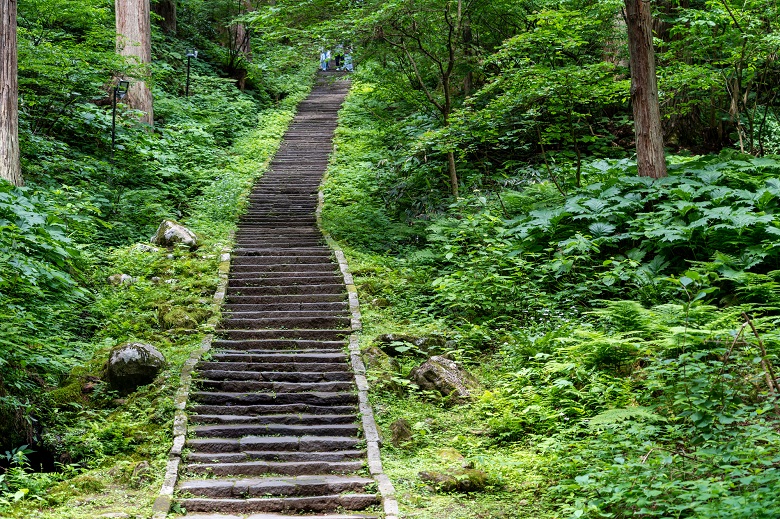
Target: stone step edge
162	504
370	429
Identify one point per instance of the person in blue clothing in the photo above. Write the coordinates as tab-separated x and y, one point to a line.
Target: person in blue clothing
324	58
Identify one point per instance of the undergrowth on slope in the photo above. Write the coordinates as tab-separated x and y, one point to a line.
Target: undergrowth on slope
624	334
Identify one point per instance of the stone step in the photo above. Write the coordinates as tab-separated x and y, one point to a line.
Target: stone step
324	503
309	252
288	259
278	456
329	335
289	486
282	268
287	468
280	357
278	376
313	398
307	289
273	409
289	419
279	516
303	323
272	429
304	279
235	299
275	387
277	344
274	443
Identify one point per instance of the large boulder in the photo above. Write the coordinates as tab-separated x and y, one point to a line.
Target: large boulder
133	364
170	233
444	376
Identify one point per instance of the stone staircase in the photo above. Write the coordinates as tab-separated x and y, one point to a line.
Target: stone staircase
274	415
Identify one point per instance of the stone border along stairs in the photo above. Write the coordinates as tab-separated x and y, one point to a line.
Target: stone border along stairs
276	409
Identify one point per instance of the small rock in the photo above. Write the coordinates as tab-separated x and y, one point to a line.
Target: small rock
171	281
170	233
115	515
142	247
402	432
461	480
170	256
445	377
133	364
155	279
120	279
523	502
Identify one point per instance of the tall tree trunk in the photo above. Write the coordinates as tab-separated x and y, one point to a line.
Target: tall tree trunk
10	168
644	90
166	9
134	39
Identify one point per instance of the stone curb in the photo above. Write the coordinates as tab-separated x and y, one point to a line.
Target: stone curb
370	429
162	505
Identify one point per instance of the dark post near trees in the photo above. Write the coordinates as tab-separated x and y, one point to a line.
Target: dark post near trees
191	53
644	90
10	168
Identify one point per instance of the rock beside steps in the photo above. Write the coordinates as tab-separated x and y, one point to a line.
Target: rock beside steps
274	425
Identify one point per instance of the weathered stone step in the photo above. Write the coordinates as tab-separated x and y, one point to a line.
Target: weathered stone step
272	429
278	376
235	299
273	367
278	456
227	398
276	387
329	335
277	344
307	289
265	409
281	268
274	443
290	419
281	259
290	486
288	468
281	357
298	275
281	504
328	321
278	516
311	279
309	252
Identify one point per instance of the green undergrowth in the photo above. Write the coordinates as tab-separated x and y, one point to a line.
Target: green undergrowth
55	388
624	333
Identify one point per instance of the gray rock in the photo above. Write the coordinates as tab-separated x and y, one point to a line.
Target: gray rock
173	318
142	247
170	233
133	364
444	376
402	432
461	480
120	279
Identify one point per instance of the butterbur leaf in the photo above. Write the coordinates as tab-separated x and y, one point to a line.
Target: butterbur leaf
600	229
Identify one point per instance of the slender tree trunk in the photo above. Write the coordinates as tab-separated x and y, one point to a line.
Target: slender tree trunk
10	168
644	90
166	9
134	40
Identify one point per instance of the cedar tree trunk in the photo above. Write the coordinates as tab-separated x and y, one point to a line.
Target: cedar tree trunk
10	168
134	40
644	90
166	9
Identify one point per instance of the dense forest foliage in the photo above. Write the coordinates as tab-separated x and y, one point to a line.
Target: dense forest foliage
484	186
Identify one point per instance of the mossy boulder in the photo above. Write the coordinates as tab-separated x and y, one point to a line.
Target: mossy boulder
133	364
396	344
460	480
445	377
176	318
170	232
383	369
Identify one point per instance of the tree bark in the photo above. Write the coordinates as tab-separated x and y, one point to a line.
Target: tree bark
134	40
10	168
644	90
166	9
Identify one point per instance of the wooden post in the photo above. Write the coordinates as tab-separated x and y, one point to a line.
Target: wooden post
644	90
10	169
134	39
